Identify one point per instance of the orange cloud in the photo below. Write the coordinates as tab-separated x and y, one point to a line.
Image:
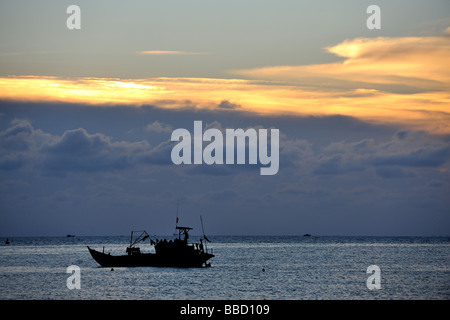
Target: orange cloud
380	79
412	63
386	80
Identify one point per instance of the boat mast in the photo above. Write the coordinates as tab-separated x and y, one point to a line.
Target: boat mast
131	239
142	237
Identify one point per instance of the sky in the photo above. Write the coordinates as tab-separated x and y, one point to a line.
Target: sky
86	116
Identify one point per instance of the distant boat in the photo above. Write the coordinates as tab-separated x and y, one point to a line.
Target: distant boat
173	253
70	236
7	241
307	235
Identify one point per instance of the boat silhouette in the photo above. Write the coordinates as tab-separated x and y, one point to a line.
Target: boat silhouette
172	253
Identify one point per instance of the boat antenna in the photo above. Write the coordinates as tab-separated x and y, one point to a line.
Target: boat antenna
177	213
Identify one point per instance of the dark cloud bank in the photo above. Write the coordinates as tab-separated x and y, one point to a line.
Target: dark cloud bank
97	170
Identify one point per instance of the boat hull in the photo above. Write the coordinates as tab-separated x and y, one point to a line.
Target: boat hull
180	259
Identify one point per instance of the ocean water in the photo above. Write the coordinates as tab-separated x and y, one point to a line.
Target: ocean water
244	268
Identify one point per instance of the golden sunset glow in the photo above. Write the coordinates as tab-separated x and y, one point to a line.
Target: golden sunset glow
390	80
428	110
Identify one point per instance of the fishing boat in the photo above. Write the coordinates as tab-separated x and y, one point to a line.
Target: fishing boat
173	253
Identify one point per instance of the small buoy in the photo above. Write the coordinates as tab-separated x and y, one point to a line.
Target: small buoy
263	270
112	269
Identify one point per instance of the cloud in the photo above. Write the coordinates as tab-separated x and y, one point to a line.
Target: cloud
78	142
424	157
75	150
419	63
165	52
78	151
225	104
64	162
402	81
379	79
20	143
158	127
389	158
14	138
21	136
412	149
159	155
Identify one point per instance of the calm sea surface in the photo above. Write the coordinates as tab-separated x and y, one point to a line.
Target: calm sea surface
294	268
